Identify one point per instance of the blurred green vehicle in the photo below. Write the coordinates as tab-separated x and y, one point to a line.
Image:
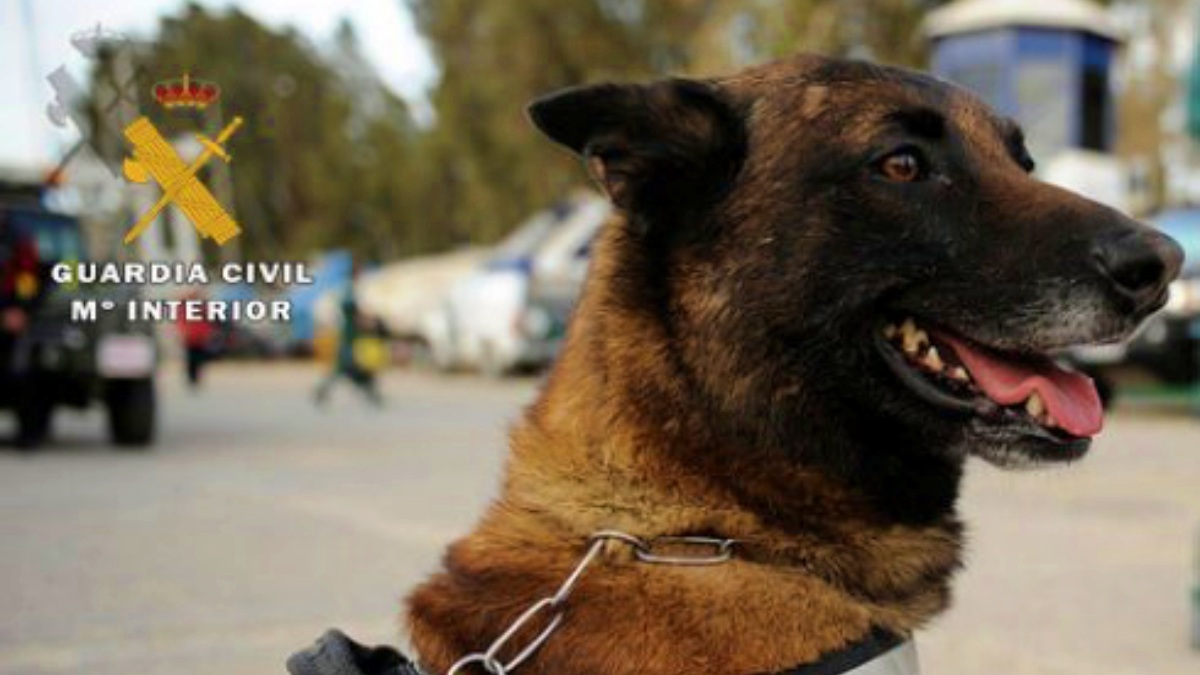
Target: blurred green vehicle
56	360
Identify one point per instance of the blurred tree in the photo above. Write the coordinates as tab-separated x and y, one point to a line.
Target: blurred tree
497	55
489	168
882	30
1152	93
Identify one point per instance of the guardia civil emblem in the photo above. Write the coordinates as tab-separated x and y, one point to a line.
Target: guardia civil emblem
154	158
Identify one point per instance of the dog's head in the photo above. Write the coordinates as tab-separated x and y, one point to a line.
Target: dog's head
868	245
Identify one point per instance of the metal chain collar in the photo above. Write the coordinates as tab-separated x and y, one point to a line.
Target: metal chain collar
644	551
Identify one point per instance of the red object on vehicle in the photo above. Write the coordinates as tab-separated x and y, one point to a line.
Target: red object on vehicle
19	270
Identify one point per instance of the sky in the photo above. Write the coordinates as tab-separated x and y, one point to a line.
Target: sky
28	139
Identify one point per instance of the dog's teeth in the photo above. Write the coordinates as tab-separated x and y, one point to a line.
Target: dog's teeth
913	338
1035	406
934	360
959	373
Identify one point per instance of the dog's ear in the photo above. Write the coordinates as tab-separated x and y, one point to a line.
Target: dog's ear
650	147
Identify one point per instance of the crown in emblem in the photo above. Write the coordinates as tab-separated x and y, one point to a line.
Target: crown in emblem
186	93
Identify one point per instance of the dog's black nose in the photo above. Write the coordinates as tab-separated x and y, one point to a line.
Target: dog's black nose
1139	265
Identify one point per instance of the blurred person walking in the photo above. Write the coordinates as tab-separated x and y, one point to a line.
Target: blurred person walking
360	349
199	341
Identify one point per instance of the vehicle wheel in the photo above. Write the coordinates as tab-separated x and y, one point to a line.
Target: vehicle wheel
131	412
34	417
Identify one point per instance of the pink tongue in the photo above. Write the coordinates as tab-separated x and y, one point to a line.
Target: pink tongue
1070	398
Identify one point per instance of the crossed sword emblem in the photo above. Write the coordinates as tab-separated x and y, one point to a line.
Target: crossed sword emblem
154	157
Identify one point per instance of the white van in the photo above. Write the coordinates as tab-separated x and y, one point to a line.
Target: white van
489	320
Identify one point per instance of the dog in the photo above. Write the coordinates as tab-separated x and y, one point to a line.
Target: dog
829	284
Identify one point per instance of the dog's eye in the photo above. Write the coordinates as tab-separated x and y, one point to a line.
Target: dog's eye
902	167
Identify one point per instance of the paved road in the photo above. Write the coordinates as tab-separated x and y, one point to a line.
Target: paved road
260	521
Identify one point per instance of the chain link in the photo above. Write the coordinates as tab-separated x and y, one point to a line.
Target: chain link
722	551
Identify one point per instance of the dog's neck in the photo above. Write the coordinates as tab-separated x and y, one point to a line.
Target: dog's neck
638	448
618	440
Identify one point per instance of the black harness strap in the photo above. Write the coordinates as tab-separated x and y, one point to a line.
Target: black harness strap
877	643
336	654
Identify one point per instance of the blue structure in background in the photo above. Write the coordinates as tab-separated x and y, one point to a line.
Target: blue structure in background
330	271
1046	63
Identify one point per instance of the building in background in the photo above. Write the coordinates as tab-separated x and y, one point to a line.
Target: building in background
1049	64
1083	79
